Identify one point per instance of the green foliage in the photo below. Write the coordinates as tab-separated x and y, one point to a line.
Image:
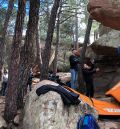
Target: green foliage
2	18
11	22
95	25
67	18
67	21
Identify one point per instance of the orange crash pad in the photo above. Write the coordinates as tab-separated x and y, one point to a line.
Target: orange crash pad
106	108
103	108
115	92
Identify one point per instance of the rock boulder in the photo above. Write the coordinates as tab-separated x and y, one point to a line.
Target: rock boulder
106	11
48	111
107	44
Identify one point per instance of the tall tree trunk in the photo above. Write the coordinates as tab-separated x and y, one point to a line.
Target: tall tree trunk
11	106
27	53
47	49
4	32
48	13
82	56
57	40
38	58
76	30
86	39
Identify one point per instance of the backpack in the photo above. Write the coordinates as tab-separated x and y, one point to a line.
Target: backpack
87	122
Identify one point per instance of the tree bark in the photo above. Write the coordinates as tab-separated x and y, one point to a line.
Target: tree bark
48	13
76	30
38	58
86	39
47	49
11	106
82	56
27	53
4	32
57	40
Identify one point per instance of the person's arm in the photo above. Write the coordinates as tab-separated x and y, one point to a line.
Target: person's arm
85	66
87	71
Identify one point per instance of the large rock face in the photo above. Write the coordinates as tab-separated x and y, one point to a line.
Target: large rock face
106	11
107	44
48	111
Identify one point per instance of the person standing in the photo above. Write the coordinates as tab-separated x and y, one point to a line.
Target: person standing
74	60
4	82
88	71
29	83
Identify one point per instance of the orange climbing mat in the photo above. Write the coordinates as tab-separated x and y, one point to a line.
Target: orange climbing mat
104	108
115	92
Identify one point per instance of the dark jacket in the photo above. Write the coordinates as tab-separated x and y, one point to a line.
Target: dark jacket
74	60
30	79
69	98
88	73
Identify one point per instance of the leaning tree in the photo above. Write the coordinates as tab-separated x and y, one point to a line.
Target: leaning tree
47	49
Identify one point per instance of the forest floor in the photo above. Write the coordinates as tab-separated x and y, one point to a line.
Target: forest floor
104	123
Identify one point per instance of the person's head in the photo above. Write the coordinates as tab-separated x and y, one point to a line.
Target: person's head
5	71
74	51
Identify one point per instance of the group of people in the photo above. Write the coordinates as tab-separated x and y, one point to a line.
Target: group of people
5	81
88	69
